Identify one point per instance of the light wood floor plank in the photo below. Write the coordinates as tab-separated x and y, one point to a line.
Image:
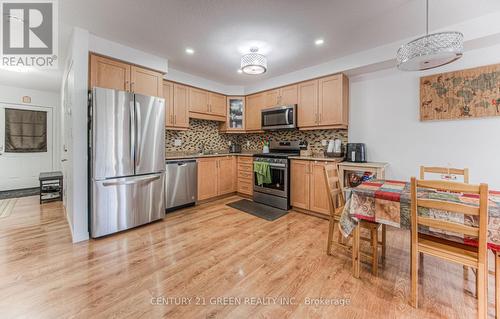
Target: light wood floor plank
211	251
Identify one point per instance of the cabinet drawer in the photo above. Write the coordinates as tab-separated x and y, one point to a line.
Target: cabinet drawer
245	187
245	167
247	175
245	160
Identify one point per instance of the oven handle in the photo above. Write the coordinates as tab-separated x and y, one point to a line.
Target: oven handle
273	164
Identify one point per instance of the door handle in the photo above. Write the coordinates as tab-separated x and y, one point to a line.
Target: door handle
131	181
64	160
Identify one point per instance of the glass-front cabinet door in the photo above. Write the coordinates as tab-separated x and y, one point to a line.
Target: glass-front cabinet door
236	113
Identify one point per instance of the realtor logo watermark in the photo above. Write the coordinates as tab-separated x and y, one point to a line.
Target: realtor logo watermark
29	33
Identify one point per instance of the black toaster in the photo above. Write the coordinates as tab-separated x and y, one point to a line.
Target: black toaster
356	152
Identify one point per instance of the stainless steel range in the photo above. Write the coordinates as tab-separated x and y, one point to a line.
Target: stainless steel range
276	193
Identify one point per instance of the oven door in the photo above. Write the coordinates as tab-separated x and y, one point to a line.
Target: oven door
279	181
280	117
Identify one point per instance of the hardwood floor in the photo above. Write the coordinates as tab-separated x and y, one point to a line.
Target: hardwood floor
208	252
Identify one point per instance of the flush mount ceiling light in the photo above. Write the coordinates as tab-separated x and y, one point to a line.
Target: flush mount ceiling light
431	50
189	51
319	41
253	62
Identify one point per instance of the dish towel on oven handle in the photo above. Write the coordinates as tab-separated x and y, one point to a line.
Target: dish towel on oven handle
263	172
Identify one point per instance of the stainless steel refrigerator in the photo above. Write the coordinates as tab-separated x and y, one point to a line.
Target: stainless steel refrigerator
127	149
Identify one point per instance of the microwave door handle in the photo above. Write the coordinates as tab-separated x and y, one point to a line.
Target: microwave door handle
287	117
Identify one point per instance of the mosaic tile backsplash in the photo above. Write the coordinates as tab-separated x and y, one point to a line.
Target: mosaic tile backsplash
207	133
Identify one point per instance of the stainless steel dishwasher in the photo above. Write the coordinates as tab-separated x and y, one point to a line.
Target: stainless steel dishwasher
181	183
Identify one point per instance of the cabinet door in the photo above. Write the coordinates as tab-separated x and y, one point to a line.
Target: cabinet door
217	104
289	95
330	100
299	183
226	175
146	82
253	112
181	111
207	178
198	100
307	109
271	98
319	201
168	95
109	74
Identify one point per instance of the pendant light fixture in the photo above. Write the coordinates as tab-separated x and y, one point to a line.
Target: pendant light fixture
253	62
431	50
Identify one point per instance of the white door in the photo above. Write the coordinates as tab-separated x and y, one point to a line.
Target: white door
21	170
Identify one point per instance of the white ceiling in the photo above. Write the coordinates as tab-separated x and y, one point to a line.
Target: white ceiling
221	30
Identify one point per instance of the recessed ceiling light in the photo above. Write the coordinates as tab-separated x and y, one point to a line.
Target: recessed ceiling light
239	71
189	51
319	41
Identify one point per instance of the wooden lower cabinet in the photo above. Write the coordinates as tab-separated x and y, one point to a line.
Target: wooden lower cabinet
299	183
308	187
207	178
227	175
245	175
216	176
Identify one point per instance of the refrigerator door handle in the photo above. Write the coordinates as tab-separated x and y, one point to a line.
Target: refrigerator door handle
132	180
132	129
137	133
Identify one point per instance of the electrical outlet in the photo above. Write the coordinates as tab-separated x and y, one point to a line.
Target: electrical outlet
248	143
324	142
177	142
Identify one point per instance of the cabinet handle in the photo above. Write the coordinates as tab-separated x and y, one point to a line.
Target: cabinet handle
319	121
175	119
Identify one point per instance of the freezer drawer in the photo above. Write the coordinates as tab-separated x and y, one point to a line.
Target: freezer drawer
124	203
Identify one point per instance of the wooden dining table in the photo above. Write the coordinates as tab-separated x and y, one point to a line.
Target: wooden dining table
388	202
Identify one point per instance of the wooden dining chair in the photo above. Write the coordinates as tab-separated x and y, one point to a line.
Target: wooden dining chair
337	203
464	172
474	257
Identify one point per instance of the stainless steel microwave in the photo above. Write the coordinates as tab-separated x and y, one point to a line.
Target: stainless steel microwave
279	117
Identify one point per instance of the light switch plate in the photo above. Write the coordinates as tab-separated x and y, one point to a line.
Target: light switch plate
177	142
324	142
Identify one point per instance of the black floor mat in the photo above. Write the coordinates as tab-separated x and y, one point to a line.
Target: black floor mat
19	193
259	210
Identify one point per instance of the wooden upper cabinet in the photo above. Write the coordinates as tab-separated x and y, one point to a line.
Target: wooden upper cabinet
271	98
299	183
207	178
109	74
226	175
254	105
179	109
198	100
146	82
112	74
283	96
307	109
168	95
333	100
217	104
289	95
318	199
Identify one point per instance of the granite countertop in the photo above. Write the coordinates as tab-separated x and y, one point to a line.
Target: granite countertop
317	158
184	155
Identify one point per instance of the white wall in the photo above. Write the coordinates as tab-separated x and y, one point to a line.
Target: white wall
74	128
14	95
384	114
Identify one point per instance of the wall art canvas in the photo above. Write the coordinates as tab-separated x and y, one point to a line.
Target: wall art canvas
470	93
